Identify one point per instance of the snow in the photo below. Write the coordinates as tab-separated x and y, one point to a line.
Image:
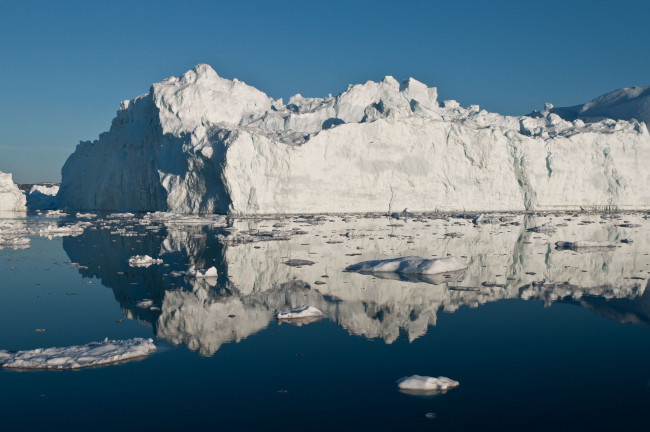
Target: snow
418	382
304	311
80	356
410	264
11	198
204	144
41	197
143	261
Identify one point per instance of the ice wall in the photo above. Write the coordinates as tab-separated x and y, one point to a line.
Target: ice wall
201	144
11	198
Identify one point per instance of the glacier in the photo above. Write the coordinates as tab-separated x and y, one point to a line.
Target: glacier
11	198
201	143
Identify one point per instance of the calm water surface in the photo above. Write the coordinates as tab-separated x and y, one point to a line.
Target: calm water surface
546	339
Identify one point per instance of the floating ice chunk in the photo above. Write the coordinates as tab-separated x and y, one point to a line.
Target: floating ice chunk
410	264
143	261
120	215
418	382
586	244
299	262
41	197
11	198
144	304
304	311
543	229
55	213
79	356
86	215
200	273
64	230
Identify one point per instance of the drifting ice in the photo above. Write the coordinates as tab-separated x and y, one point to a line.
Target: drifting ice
75	357
204	144
301	312
143	261
11	198
411	264
417	382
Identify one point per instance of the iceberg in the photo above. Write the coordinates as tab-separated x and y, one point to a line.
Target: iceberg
80	356
201	143
11	198
143	261
410	265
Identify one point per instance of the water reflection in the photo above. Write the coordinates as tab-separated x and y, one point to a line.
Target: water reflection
505	261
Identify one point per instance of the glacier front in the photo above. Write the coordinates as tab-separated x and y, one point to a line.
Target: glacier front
204	144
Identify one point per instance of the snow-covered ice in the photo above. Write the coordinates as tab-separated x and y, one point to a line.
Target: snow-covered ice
418	382
304	311
410	264
143	261
79	356
11	198
205	144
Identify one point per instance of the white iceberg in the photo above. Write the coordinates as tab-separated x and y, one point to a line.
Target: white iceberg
410	265
426	383
11	198
204	144
201	273
304	311
79	356
143	261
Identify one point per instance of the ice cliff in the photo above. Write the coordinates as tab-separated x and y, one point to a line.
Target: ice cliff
201	143
11	198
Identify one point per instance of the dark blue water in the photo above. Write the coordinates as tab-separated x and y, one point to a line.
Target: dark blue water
574	363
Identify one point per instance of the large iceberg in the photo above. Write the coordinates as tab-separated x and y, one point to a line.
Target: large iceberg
204	144
11	198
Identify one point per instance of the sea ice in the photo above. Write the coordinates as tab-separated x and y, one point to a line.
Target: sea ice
418	382
410	264
11	198
304	311
143	261
42	197
80	356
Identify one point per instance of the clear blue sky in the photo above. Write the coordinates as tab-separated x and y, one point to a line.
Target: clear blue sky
66	65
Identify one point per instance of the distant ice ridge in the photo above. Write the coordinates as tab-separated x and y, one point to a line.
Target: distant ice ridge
204	144
80	356
42	197
11	198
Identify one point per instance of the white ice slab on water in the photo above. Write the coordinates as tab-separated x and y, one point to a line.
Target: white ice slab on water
79	356
423	383
143	261
204	144
11	198
41	197
586	244
304	311
209	273
410	265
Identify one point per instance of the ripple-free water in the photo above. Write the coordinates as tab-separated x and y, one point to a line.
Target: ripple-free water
539	338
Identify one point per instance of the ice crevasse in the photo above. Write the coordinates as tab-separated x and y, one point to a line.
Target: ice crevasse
204	144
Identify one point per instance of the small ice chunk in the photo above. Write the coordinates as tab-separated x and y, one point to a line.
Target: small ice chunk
144	304
298	262
79	356
304	311
586	245
202	274
410	264
418	382
143	261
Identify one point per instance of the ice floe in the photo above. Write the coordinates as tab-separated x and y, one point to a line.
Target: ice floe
143	261
304	311
79	356
426	383
410	264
